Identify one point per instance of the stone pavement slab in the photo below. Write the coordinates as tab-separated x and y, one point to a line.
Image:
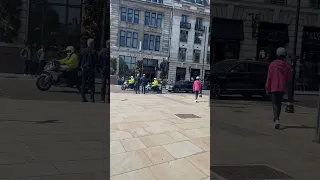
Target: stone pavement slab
245	135
148	141
44	140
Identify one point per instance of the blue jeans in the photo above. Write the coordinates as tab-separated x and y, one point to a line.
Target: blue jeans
196	94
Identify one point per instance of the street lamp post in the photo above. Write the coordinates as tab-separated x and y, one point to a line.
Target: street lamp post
290	108
204	55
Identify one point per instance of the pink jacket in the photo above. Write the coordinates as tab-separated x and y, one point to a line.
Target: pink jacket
279	74
196	85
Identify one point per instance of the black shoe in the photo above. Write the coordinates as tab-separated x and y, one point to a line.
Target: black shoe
277	124
84	100
92	100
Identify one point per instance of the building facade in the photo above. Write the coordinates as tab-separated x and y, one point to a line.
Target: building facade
255	29
140	32
190	40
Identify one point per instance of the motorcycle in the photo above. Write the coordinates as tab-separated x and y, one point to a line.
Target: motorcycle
156	89
51	76
126	85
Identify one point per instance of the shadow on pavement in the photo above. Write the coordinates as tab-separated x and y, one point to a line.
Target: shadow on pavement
283	127
35	122
71	92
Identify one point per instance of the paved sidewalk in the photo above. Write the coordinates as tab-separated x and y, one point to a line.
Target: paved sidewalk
245	136
43	140
149	142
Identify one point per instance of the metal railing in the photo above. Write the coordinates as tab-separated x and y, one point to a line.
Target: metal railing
185	25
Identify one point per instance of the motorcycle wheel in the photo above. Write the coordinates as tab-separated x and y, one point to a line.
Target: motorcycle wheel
147	90
123	88
41	83
79	88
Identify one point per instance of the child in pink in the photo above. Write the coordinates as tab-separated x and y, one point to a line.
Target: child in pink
196	88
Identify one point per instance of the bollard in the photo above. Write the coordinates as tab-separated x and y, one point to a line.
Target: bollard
317	134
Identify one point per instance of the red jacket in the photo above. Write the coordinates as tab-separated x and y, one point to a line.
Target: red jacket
279	74
196	85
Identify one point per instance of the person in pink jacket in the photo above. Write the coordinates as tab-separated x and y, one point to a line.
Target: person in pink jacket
196	88
279	76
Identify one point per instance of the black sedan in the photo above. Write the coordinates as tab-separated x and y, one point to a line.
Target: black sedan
243	77
180	86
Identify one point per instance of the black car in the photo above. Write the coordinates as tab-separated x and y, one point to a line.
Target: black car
243	77
186	86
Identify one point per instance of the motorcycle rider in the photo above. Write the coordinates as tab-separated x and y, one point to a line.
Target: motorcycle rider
155	84
70	62
131	82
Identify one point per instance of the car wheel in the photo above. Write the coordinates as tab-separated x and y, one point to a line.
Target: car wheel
216	91
176	90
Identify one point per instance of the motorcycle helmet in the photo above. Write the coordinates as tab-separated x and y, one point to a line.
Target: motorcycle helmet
131	76
155	78
70	50
198	77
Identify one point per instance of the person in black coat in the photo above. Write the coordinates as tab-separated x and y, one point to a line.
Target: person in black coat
137	83
104	58
144	82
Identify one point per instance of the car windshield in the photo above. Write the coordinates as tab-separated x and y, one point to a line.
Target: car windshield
179	82
223	66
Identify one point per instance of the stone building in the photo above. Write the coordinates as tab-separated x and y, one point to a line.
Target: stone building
254	29
190	40
140	31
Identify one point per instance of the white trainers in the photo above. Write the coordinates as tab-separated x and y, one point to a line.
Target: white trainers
277	124
196	100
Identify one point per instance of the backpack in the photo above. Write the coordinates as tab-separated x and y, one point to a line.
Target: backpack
86	63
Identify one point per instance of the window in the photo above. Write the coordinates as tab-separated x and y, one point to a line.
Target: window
198	25
258	68
159	20
196	56
182	54
147	18
240	68
183	36
156	1
184	18
232	49
157	44
130	14
197	40
153	19
128	39
130	62
136	16
146	42
151	42
135	40
122	38
74	28
128	43
123	14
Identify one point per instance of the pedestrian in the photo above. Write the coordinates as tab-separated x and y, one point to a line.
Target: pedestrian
42	61
27	57
87	65
104	58
137	83
144	82
279	76
196	88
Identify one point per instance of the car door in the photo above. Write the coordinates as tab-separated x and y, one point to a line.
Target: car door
258	76
189	87
237	77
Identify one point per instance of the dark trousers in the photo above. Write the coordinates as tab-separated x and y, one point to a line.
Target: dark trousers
104	88
136	88
277	98
143	89
196	94
27	67
41	66
88	81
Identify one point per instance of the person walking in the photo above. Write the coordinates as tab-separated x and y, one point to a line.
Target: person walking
87	65
42	61
196	88
137	83
279	76
27	57
104	58
144	82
